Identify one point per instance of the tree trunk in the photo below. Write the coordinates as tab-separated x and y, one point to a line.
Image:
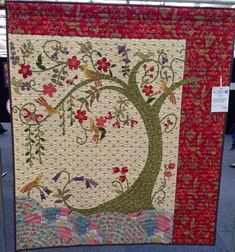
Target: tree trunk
138	196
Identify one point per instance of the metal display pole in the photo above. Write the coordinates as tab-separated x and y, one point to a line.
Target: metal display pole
2	220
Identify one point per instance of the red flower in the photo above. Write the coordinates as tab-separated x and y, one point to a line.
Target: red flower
103	64
49	89
116	169
133	123
122	178
117	125
168	174
171	165
124	169
148	90
25	70
109	116
73	63
100	121
81	116
151	69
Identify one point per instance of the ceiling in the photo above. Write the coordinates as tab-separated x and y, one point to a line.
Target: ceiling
186	3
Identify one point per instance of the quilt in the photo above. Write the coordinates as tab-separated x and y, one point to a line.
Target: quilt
114	141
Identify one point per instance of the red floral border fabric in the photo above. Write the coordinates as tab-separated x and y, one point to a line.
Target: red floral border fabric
209	47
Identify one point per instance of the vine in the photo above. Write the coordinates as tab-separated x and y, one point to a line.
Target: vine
62	117
29	141
39	146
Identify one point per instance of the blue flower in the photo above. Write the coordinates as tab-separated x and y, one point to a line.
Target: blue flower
42	195
81	178
92	182
57	176
25	86
164	59
46	190
121	49
127	61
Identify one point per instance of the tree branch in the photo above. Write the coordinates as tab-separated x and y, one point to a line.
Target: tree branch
158	103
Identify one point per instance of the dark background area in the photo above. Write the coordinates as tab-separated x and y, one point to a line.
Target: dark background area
231	111
4	94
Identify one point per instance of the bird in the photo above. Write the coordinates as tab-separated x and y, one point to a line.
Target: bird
93	128
50	110
91	75
32	184
144	56
167	90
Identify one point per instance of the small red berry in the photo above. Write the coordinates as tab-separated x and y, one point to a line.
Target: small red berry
166	125
151	76
171	166
124	169
168	174
67	81
122	178
116	170
144	66
75	77
151	69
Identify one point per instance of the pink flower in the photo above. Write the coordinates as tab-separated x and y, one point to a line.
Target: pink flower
73	63
65	232
117	125
64	211
148	90
49	90
25	70
103	64
163	223
81	116
100	121
35	218
133	123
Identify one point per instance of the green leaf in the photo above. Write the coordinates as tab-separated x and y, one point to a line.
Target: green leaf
88	92
37	151
60	83
40	66
66	197
66	191
65	72
99	54
54	75
97	96
28	160
57	196
17	90
87	106
62	78
110	72
32	141
58	201
55	70
42	139
92	100
42	147
27	129
27	153
69	109
103	132
151	99
114	65
82	99
59	191
53	80
39	62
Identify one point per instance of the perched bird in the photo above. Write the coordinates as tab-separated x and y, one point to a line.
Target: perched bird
93	128
50	110
167	90
91	75
144	56
32	184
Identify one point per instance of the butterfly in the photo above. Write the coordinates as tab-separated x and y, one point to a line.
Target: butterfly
29	116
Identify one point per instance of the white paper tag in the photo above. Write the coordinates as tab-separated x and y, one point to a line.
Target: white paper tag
219	99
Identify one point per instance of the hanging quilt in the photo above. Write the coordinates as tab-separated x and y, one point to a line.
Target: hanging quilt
114	141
